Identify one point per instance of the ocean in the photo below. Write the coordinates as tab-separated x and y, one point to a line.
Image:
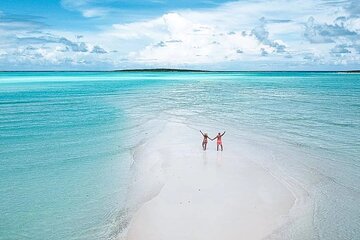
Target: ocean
67	141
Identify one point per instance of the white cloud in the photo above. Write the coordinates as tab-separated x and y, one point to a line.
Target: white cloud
86	9
99	50
94	12
183	41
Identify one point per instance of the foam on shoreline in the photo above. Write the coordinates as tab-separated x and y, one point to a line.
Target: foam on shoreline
192	194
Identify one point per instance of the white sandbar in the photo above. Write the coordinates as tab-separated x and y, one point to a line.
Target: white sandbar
205	195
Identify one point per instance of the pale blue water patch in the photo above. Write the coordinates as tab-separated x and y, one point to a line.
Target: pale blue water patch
66	141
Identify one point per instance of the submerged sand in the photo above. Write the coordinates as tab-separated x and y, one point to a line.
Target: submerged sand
192	194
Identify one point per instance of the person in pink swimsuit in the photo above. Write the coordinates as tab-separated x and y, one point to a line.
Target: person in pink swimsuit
205	140
219	141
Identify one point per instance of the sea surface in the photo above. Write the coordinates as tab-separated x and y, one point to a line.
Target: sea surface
67	142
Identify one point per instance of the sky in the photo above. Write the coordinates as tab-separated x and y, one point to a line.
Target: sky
194	34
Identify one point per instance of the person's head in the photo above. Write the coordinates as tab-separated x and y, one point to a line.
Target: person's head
219	133
205	134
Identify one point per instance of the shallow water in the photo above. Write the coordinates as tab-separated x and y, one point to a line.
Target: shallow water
66	142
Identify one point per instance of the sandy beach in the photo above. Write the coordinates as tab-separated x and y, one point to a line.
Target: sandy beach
204	195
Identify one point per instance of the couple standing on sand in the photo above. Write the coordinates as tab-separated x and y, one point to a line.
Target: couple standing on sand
218	141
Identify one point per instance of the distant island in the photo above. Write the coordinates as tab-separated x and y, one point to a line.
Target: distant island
161	70
351	71
197	70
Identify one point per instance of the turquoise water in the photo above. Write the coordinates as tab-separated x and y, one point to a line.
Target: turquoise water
66	141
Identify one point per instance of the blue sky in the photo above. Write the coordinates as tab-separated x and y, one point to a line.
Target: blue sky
201	34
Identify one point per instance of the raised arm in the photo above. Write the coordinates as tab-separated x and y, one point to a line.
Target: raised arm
202	133
223	133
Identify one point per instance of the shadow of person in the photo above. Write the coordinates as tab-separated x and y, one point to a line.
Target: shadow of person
219	159
204	158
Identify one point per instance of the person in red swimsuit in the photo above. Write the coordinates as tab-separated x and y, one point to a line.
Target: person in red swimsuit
219	141
205	140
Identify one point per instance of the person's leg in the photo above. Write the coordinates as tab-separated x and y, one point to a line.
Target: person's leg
203	146
221	147
217	147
